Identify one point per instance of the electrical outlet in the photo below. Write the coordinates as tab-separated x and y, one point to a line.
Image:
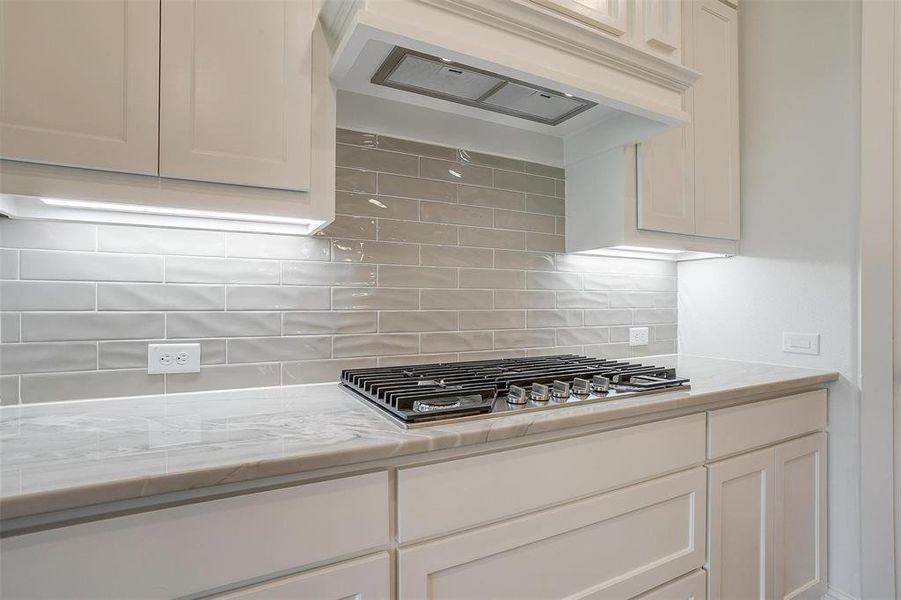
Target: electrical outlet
801	343
173	358
638	336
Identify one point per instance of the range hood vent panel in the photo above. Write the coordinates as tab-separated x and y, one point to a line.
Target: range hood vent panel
432	76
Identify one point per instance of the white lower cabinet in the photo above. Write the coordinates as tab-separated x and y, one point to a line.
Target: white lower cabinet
767	522
616	545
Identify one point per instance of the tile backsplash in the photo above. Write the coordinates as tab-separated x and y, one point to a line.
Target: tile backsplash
436	254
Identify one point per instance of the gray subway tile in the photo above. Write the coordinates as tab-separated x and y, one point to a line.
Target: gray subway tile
133	354
613	316
524	299
582	300
370	205
221	270
41	295
418	277
415	359
540	280
654	348
9	327
321	371
355	138
492	319
314	273
544	170
150	240
523	221
49	357
654	315
642	299
375	252
9	263
547	205
372	159
417	148
483	237
432	168
665	332
376	344
277	297
456	299
374	298
492	279
561	225
89	266
41	327
219	377
328	322
585	263
265	349
608	351
456	256
555	318
606	281
288	247
89	384
560	188
491	198
353	180
159	296
457	342
524	338
222	324
413	187
351	227
459	214
574	336
411	231
9	390
523	182
530	261
492	354
490	160
420	320
545	241
555	350
48	235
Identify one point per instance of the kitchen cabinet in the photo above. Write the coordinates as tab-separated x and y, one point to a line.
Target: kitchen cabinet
690	587
767	522
79	83
607	16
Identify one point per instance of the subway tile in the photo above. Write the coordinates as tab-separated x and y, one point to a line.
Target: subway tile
560	188
221	270
606	281
585	263
410	231
489	160
555	350
418	277
655	348
611	316
547	205
561	225
277	297
665	332
353	180
413	187
619	334
415	359
150	240
531	261
375	252
222	324
159	296
492	354
555	318
523	182
370	205
372	159
554	281
374	298
42	327
456	299
89	266
456	256
459	214
356	138
544	170
545	241
642	299
492	319
376	344
577	336
524	299
329	322
609	351
492	238
492	279
457	342
524	338
40	295
50	357
9	390
9	263
133	354
346	226
288	247
492	198
47	235
509	219
313	273
417	148
89	384
220	377
266	349
9	327
654	315
582	300
432	168
321	371
421	320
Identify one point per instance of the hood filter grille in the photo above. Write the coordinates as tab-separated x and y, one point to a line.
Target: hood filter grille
436	77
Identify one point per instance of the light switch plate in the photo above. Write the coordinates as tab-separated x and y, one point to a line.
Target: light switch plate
638	336
173	358
801	343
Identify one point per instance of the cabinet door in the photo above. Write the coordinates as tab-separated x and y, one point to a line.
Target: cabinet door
690	587
715	120
79	83
235	91
665	182
363	579
740	527
661	24
607	15
616	545
799	533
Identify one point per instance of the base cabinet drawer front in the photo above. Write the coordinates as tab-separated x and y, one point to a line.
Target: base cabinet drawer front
748	426
690	587
197	547
616	545
363	579
435	499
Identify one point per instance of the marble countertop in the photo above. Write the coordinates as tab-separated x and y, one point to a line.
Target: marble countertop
69	455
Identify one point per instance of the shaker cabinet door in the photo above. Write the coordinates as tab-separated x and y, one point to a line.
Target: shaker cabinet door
235	97
609	16
79	83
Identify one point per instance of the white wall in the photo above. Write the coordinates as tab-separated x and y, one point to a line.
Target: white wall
798	270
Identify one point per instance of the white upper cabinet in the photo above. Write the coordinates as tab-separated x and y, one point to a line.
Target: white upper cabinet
661	28
609	16
79	83
235	92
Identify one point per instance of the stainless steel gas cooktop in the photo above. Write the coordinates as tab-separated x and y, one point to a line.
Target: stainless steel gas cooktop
426	394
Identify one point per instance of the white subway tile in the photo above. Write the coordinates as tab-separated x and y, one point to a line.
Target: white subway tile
40	327
329	322
222	324
221	270
43	358
277	297
246	350
48	235
289	247
376	344
151	240
89	266
159	296
40	295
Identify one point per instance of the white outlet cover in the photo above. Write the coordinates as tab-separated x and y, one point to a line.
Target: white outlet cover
801	343
173	358
638	336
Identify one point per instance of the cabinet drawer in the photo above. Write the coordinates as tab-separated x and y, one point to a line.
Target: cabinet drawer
690	587
438	498
615	545
196	547
740	428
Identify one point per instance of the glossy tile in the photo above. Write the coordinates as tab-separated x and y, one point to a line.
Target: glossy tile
9	390
492	279
268	349
350	227
356	138
372	159
524	299
47	235
386	207
455	256
508	219
492	319
532	261
222	324
43	358
353	180
288	247
545	241
421	320
544	170
492	238
375	252
40	327
453	299
459	214
9	327
376	344
89	266
321	371
488	160
418	277
492	198
555	318
277	297
89	384
411	231
554	281
431	168
329	322
223	377
151	240
9	263
457	342
418	148
340	274
159	296
573	336
524	338
374	298
133	354
608	317
41	295
413	187
221	270
582	300
653	316
547	205
523	182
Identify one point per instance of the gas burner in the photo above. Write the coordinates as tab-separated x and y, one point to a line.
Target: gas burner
424	394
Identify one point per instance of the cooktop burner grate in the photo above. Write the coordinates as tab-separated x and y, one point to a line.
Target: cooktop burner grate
438	391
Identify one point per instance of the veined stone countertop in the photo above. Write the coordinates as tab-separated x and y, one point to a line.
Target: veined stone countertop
71	455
